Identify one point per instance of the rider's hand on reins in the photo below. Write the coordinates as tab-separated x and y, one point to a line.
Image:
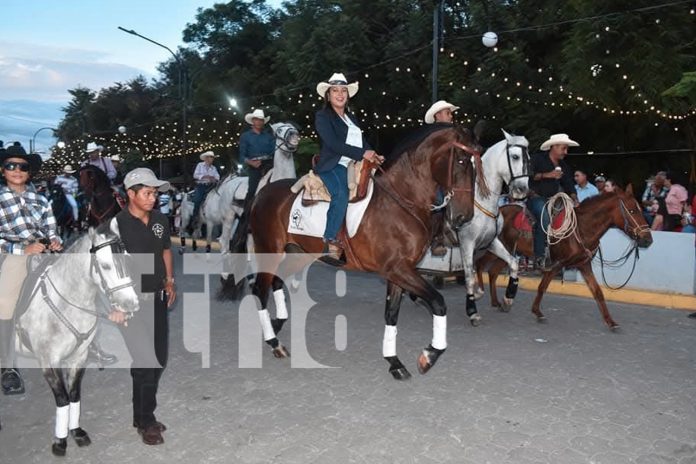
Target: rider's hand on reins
118	317
373	157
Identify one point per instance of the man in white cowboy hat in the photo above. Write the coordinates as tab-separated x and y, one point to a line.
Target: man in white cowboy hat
69	184
256	149
550	174
441	111
95	158
118	180
206	177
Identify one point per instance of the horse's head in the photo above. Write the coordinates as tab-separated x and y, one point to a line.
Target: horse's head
92	179
110	267
456	166
287	137
515	165
628	215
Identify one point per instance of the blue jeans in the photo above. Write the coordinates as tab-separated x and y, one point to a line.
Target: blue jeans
536	207
336	182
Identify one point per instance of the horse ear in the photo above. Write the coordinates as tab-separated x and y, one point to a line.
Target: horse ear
629	189
92	233
113	225
479	129
508	137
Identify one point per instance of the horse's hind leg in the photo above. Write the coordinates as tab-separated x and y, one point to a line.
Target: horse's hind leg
391	316
54	377
493	273
588	275
74	384
471	310
261	290
281	306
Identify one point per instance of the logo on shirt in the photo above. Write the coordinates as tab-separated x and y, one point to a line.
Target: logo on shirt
296	218
158	230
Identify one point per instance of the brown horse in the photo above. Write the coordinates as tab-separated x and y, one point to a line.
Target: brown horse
102	199
594	217
393	236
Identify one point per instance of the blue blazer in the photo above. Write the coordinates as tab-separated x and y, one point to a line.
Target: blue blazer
332	133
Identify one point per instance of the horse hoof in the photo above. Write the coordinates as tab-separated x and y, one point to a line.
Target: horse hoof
478	294
59	446
400	374
541	319
475	320
423	364
495	305
181	251
81	437
507	305
614	327
428	358
281	352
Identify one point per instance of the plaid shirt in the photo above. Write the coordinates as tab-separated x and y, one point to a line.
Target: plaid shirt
24	218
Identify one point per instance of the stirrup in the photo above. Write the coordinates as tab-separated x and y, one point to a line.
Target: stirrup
332	253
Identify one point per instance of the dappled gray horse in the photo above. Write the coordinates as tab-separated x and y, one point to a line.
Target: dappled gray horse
506	162
60	321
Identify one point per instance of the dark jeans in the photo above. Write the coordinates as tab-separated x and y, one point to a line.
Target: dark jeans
147	339
255	175
536	207
198	196
336	182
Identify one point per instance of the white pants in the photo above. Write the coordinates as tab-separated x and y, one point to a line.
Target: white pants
73	204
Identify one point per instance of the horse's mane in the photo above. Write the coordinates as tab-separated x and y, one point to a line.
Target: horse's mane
415	138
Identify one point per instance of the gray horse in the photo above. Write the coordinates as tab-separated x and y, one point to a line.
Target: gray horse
59	321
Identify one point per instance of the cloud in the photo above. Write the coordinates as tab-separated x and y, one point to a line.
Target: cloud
39	72
20	119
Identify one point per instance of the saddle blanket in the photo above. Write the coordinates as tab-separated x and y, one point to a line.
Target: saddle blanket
311	220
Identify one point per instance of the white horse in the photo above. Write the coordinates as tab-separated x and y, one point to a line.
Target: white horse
225	203
505	162
59	322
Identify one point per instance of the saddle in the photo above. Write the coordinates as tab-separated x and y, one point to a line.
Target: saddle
314	190
523	222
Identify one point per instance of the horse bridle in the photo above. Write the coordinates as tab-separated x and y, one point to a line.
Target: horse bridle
45	278
637	229
285	139
525	161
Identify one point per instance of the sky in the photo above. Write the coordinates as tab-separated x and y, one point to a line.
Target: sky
50	46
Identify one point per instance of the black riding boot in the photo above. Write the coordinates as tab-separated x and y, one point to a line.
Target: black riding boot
10	378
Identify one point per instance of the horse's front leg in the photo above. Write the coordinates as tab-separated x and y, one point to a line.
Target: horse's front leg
591	280
391	316
543	285
413	283
54	377
209	226
74	385
468	257
501	252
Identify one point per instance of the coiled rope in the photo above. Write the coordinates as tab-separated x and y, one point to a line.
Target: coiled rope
570	221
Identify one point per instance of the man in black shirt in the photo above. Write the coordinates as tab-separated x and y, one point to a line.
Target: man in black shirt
549	175
144	230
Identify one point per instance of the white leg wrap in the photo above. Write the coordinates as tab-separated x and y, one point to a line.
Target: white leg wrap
62	418
74	416
281	308
389	341
266	326
439	332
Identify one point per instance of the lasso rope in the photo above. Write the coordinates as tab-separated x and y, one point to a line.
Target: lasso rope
570	220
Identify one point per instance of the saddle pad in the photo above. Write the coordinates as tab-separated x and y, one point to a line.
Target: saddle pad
521	222
558	219
311	220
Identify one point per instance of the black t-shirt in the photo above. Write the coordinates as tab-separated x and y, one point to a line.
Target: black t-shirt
152	238
541	162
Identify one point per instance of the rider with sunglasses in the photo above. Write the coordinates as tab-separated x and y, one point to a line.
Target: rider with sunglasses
27	227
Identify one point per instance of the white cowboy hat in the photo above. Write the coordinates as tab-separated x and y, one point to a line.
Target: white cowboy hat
115	158
558	139
68	169
437	107
256	114
337	80
91	146
206	154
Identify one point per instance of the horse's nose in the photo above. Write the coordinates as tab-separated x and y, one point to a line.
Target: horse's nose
644	241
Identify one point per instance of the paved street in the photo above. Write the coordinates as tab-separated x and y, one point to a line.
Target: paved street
510	391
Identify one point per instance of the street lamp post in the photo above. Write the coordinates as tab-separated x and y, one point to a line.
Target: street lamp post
182	95
32	142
